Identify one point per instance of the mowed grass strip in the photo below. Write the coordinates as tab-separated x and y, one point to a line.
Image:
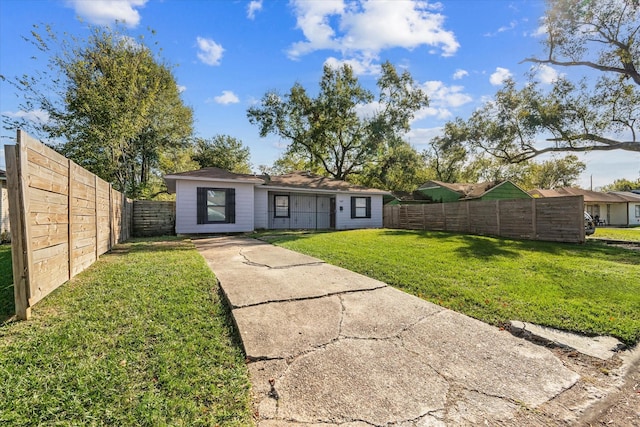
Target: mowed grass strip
7	300
592	289
626	234
139	339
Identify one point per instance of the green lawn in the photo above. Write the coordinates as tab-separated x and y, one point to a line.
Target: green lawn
628	234
590	288
7	308
139	339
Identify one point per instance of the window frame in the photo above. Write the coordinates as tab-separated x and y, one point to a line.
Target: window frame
202	205
275	205
637	211
356	210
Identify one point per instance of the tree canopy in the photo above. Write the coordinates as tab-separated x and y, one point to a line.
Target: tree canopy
116	105
222	151
332	131
600	112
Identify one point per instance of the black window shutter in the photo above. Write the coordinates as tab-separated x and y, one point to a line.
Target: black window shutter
353	207
231	205
368	215
202	205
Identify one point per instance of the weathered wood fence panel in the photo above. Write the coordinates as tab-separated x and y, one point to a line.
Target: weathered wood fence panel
154	218
62	219
558	219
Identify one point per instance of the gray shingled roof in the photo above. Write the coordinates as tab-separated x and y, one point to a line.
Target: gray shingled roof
588	195
296	180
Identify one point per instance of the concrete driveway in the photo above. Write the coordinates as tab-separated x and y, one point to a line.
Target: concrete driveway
327	346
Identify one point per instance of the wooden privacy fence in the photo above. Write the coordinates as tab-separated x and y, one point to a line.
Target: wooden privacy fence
62	216
557	219
154	218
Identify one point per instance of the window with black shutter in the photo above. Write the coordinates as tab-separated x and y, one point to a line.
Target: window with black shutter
216	205
360	207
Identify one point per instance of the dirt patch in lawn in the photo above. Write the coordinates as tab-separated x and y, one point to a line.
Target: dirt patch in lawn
607	394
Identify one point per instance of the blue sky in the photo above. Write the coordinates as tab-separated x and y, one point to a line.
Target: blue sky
228	54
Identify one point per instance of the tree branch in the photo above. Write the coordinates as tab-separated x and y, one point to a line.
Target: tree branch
627	71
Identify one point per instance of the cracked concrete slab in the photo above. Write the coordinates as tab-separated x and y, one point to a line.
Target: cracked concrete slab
482	358
375	314
392	385
329	347
600	347
278	275
286	329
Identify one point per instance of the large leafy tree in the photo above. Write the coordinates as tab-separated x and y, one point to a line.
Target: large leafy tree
113	102
223	151
601	112
331	131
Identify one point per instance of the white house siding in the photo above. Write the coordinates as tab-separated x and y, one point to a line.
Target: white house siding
634	213
612	213
4	207
187	209
343	214
261	214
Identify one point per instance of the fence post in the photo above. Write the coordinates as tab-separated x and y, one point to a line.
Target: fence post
71	238
534	219
16	161
498	217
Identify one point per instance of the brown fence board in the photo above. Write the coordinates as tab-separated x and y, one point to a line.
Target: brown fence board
61	219
558	219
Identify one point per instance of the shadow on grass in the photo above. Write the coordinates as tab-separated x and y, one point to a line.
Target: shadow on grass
485	247
7	302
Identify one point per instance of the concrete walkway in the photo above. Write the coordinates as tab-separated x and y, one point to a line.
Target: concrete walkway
327	346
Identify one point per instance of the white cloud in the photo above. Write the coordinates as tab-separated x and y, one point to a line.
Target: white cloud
227	97
541	31
445	96
253	7
359	66
460	74
35	116
547	74
210	52
502	29
106	12
422	136
365	28
499	76
181	88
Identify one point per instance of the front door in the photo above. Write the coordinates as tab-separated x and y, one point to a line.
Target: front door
332	213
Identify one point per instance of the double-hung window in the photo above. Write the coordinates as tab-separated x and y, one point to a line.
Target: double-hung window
360	207
281	204
216	205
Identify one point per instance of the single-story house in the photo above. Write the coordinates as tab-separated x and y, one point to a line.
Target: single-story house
443	192
213	200
613	208
4	204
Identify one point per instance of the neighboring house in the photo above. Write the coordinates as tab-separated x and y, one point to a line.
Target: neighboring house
444	192
212	200
614	208
4	204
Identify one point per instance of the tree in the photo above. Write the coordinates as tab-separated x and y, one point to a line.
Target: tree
622	185
599	114
331	131
224	152
400	168
116	105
